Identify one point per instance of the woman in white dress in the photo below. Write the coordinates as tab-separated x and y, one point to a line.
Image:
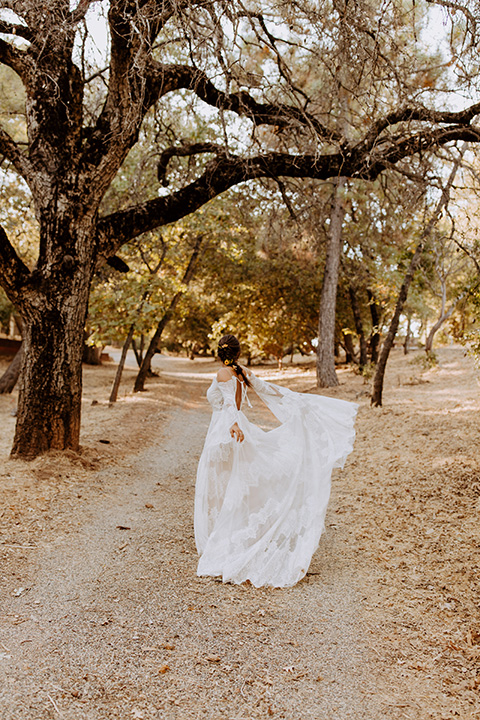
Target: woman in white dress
261	496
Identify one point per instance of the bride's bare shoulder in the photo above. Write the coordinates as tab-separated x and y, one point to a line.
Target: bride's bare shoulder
224	374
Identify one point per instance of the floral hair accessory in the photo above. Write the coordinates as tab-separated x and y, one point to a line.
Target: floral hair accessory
227	362
223	346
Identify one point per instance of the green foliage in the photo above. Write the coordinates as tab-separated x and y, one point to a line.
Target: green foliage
255	276
139	296
12	104
367	371
426	361
466	328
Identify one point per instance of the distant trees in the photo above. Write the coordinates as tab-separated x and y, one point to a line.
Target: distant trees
261	79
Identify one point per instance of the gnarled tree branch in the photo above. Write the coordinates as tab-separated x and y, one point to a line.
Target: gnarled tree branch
419	114
226	171
166	78
184	150
13	57
13	271
10	150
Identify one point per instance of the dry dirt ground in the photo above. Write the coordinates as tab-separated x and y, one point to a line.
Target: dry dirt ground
102	615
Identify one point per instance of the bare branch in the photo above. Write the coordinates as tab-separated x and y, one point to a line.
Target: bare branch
468	253
380	160
419	114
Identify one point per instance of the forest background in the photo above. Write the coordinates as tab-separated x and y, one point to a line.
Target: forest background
290	171
329	155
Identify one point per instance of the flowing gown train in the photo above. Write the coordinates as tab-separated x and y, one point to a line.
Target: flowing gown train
260	505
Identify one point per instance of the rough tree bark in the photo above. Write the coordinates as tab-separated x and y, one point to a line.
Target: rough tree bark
73	155
50	392
139	385
326	375
377	387
12	373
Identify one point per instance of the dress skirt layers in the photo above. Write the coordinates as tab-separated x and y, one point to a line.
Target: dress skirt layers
260	505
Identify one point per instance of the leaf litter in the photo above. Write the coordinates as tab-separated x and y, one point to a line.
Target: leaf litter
402	540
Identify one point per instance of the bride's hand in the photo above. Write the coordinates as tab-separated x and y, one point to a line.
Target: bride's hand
236	433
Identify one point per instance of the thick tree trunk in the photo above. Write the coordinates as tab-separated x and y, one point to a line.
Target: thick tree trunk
139	385
54	309
12	373
92	354
357	318
326	375
49	402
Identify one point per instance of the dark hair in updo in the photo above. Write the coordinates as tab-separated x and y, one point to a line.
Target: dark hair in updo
229	352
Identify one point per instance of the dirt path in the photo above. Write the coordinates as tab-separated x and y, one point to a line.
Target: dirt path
103	615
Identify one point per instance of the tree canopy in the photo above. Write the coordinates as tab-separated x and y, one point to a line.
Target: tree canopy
180	101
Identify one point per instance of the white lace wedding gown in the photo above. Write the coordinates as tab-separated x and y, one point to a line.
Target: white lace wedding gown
260	505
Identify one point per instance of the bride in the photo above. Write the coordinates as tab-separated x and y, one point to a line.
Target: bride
261	497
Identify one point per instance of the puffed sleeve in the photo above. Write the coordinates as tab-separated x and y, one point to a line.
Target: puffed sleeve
262	387
229	408
281	401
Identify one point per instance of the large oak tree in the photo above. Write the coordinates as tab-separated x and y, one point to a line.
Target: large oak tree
81	125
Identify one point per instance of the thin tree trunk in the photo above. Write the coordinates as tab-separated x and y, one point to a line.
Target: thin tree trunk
326	375
349	347
139	350
12	373
121	364
377	388
375	334
407	336
433	330
189	273
444	316
357	318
